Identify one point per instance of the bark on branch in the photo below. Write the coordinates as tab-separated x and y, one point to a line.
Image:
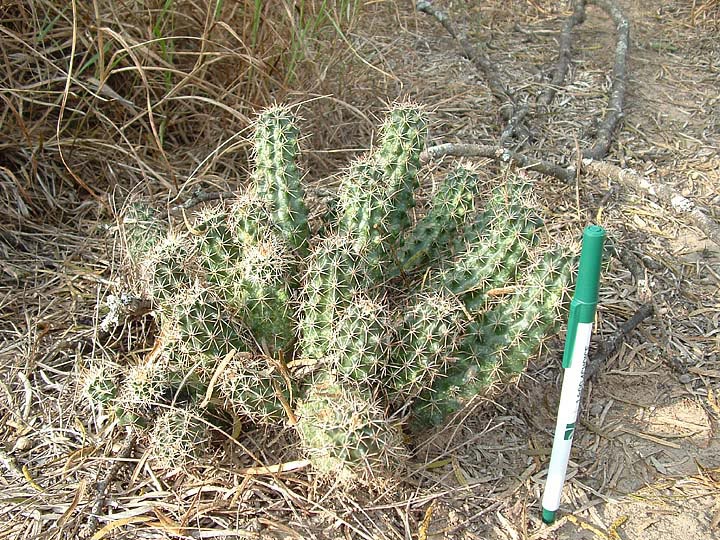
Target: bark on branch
563	60
480	61
667	195
619	81
498	153
608	348
625	177
559	72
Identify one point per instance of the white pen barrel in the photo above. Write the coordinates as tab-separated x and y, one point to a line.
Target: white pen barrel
567	416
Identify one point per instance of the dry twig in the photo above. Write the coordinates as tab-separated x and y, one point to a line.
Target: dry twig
499	154
103	487
667	195
563	61
499	90
619	82
626	177
608	348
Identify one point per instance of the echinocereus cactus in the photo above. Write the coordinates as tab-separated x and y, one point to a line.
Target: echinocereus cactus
391	320
278	176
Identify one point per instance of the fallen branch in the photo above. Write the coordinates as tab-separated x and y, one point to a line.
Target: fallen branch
608	348
559	72
600	147
480	61
499	154
563	61
625	177
666	194
514	123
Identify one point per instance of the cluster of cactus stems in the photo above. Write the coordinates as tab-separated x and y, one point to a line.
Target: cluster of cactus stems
380	326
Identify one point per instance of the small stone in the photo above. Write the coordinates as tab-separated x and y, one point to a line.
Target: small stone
23	443
685	378
596	409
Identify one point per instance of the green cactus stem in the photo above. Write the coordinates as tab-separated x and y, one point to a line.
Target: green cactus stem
358	349
430	324
247	263
252	387
330	283
501	341
277	174
402	138
179	436
452	203
346	433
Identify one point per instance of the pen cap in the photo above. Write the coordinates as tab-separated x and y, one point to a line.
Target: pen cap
588	279
584	302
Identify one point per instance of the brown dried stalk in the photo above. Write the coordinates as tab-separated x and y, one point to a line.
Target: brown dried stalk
480	61
608	348
619	81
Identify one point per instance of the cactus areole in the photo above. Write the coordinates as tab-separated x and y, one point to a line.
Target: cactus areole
383	325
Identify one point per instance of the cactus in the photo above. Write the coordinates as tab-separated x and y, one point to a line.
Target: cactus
247	262
402	138
453	202
383	322
145	386
330	282
277	175
251	387
500	341
430	324
99	384
167	269
178	437
364	213
346	433
357	347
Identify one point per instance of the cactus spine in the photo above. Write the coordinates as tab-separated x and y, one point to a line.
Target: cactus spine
277	174
380	324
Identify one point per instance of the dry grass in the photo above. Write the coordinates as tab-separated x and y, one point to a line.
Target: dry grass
105	100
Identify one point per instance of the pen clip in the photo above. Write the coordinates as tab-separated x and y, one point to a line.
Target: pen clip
580	312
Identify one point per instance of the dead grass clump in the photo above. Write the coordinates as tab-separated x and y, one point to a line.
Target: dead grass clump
110	94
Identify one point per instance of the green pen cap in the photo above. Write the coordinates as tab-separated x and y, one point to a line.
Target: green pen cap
548	516
585	299
588	280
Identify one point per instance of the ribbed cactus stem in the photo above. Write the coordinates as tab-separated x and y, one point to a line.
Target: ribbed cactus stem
247	264
330	283
358	348
345	432
402	137
430	324
99	384
450	207
252	388
145	386
167	269
200	333
501	341
493	259
278	176
178	437
364	212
